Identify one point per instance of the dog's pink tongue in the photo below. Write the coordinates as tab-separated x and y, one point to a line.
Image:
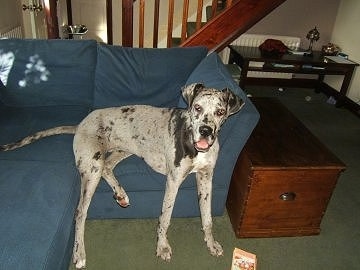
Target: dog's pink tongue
202	144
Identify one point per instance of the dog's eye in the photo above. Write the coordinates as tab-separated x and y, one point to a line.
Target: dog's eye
197	108
220	112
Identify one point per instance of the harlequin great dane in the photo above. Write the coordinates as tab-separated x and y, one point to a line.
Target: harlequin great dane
174	142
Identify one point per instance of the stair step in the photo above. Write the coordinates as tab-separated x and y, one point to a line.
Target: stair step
176	41
191	28
208	10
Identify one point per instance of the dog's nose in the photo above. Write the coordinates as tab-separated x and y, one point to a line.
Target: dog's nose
205	131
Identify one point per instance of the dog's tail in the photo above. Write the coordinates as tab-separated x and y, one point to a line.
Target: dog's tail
39	135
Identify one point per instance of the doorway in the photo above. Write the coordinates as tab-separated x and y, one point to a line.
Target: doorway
40	19
34	19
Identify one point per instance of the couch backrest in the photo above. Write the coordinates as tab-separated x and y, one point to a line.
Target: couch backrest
143	76
47	72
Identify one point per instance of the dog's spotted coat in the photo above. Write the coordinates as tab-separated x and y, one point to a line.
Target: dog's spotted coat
174	142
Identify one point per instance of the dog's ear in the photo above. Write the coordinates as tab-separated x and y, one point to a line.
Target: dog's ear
234	103
190	91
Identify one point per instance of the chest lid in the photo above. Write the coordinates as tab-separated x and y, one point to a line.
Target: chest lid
280	140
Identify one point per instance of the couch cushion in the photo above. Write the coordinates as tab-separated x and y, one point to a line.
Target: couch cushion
135	175
38	201
19	122
47	72
212	72
148	204
143	76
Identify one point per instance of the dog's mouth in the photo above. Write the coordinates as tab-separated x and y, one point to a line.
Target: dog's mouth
202	145
204	138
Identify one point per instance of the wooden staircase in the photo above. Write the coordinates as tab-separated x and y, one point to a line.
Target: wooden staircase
225	21
229	24
193	26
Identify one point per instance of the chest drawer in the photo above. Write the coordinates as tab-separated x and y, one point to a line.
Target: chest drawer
287	202
280	202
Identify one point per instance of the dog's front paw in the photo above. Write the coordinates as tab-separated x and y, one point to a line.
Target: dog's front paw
163	251
79	257
215	249
80	264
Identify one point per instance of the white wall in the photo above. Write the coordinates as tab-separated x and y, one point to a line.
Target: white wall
295	18
346	36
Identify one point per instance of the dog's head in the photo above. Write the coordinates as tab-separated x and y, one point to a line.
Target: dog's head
208	109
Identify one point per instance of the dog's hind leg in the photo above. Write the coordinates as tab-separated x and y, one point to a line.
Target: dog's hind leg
108	174
90	162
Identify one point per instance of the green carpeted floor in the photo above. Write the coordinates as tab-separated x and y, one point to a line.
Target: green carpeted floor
130	244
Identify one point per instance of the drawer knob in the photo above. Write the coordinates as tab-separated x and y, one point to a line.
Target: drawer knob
288	196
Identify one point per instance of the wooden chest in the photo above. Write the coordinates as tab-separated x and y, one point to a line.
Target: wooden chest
283	179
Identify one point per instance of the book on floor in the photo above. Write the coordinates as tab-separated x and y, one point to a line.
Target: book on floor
243	260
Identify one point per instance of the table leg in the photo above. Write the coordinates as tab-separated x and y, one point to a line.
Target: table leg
344	87
319	83
243	75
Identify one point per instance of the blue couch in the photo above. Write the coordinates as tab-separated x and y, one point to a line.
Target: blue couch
47	83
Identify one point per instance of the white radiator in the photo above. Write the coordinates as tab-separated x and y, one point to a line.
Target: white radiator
254	40
13	33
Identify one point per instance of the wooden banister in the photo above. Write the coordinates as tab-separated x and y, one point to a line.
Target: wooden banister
229	19
127	23
228	3
156	23
213	8
109	22
199	14
141	23
184	20
232	22
170	23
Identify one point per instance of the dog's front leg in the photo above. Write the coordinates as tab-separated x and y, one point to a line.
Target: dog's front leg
163	249
204	186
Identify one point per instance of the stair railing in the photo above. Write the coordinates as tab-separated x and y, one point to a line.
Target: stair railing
128	20
227	20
